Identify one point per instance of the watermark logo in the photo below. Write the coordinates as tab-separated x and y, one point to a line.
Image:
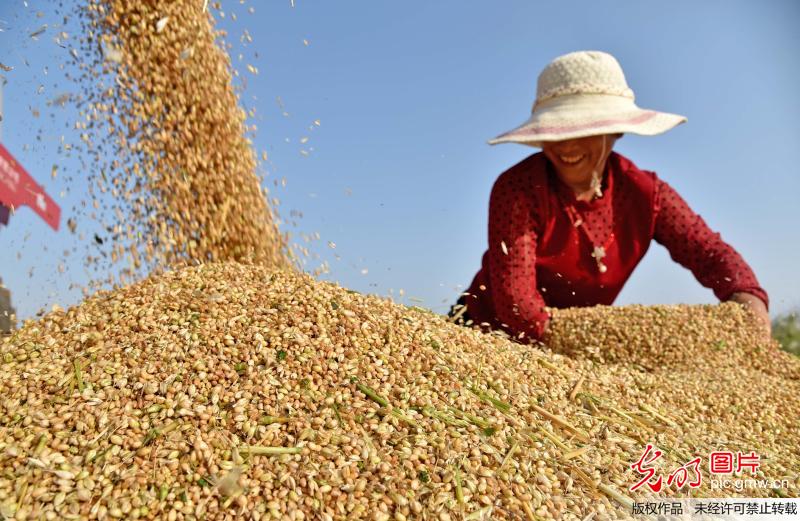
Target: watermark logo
680	476
727	470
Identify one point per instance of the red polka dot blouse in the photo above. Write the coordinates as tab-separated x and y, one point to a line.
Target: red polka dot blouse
546	248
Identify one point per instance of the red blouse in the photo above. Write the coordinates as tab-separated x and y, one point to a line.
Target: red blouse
541	240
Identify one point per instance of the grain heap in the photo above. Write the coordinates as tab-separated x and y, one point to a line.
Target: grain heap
663	338
159	102
228	390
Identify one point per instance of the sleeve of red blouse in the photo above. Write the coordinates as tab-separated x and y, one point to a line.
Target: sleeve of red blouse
512	258
692	244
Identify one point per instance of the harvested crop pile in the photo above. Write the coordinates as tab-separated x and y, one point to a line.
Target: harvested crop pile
666	338
223	390
169	138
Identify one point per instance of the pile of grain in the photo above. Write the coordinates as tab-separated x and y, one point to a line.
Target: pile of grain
664	338
228	390
169	139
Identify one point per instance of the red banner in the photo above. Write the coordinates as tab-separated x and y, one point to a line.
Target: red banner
17	188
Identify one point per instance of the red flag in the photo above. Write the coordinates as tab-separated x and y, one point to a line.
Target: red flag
18	188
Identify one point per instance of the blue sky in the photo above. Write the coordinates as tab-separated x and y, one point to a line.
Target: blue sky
398	173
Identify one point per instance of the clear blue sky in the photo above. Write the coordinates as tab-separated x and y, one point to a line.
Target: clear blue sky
398	173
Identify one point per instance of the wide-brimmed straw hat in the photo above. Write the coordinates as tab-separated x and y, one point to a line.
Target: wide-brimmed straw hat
584	94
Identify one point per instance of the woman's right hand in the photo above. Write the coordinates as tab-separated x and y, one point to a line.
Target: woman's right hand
757	307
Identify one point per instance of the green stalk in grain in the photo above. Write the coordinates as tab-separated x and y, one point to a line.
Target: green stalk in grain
459	485
372	394
257	450
40	444
269	420
338	416
431	412
645	418
76	364
500	405
397	413
153	434
22	494
94	455
475	420
623	414
658	415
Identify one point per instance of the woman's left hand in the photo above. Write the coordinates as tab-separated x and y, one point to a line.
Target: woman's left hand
757	306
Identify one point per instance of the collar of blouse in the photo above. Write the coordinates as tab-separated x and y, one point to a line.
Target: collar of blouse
568	196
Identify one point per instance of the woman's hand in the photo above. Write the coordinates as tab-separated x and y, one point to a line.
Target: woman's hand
757	306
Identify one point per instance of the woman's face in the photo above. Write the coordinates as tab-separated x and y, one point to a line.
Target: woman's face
575	159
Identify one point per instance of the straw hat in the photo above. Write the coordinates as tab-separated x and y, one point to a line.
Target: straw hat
585	94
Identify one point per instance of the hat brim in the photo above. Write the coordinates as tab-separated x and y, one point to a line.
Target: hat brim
569	120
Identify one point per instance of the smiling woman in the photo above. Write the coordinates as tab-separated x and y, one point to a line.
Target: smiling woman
567	226
578	162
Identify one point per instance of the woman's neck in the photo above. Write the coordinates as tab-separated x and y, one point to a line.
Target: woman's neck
584	191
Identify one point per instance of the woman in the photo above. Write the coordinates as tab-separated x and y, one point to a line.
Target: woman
567	226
